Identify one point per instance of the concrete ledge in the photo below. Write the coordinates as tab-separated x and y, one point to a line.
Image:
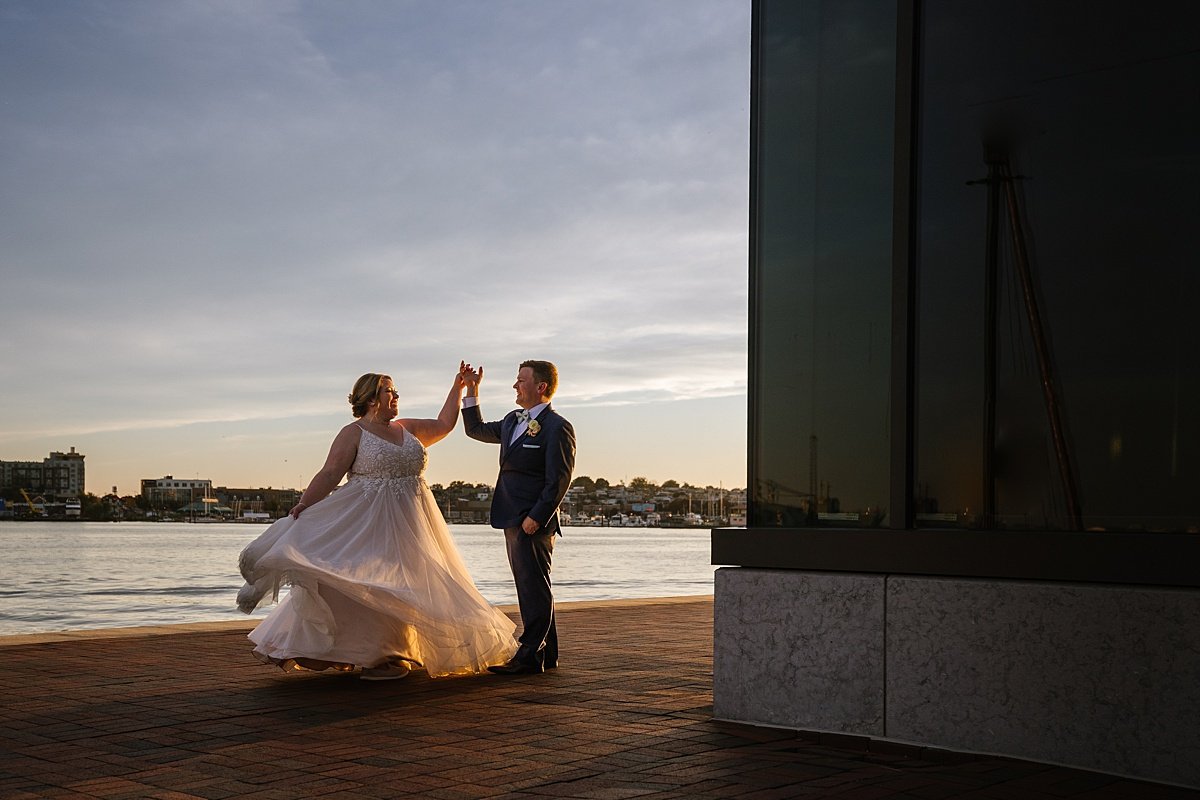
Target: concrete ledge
1103	557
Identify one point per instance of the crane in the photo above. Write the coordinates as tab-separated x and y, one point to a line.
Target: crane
32	508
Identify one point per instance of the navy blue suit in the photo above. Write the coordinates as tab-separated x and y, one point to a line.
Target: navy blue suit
535	473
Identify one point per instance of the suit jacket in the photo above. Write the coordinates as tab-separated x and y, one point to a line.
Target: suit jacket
535	471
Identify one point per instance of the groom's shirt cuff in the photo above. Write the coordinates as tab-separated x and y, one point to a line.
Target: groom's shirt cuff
470	401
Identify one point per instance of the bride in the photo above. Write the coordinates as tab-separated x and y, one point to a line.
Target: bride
375	579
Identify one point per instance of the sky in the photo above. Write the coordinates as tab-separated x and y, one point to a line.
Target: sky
215	215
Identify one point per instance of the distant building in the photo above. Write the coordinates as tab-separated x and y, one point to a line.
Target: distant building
469	511
252	503
58	477
169	493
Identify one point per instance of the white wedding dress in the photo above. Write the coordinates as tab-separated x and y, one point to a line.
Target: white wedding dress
374	576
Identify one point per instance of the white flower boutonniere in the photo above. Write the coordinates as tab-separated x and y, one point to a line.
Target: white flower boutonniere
534	428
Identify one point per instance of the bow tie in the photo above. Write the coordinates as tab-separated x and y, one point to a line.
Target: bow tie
523	416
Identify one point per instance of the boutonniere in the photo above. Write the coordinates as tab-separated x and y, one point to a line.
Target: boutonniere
534	427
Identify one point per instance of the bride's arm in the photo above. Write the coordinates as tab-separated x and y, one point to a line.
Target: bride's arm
431	431
337	464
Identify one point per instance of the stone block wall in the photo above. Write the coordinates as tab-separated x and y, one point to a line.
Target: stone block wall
1094	676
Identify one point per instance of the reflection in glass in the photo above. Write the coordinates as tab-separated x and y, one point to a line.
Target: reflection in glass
1100	134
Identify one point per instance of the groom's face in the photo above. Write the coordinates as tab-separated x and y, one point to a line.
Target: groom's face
529	390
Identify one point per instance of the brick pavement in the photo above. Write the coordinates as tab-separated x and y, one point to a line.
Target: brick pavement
186	712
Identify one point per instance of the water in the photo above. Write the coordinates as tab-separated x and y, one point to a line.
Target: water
81	575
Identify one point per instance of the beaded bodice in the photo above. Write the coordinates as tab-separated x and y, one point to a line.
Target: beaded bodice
380	459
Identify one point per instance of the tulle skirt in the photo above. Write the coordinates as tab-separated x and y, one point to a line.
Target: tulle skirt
374	575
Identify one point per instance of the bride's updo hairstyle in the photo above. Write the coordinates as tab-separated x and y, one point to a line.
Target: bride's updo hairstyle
365	390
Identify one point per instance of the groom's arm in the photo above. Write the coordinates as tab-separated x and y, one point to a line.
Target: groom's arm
474	425
472	417
560	463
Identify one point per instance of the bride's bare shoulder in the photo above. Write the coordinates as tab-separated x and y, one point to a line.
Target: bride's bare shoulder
350	430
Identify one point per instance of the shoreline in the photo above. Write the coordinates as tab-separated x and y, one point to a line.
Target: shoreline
265	522
146	631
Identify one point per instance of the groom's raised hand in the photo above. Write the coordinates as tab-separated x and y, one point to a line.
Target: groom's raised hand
471	378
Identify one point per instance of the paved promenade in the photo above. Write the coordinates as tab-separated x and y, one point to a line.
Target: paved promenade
186	712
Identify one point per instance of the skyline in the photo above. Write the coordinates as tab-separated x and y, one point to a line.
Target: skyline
217	217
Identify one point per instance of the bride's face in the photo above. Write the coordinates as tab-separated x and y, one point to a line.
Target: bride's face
388	400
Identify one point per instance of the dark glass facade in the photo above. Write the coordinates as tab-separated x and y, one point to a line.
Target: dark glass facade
822	221
1023	202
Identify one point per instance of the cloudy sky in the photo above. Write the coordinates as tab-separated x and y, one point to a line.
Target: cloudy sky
216	214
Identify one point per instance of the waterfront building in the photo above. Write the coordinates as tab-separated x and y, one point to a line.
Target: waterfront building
169	493
251	503
468	510
60	476
972	513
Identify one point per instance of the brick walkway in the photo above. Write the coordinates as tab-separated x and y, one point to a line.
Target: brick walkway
187	713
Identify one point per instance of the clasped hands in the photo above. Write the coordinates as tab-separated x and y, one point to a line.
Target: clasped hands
469	377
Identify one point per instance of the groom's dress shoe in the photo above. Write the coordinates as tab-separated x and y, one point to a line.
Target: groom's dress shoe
515	667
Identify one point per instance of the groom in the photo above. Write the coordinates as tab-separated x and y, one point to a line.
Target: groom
537	455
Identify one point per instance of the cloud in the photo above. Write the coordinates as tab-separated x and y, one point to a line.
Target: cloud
221	211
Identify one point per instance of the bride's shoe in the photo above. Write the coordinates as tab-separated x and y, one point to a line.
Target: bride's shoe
300	664
386	672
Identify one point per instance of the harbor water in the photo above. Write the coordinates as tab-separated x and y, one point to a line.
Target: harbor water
58	576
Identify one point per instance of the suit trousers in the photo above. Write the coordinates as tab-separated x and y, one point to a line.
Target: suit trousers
529	558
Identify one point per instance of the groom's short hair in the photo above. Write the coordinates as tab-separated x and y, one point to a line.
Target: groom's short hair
543	372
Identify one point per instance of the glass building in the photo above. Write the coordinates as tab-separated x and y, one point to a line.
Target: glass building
974	451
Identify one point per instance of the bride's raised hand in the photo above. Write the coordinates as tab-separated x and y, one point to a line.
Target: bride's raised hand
469	376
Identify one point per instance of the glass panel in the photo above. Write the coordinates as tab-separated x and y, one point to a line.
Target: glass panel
1100	135
822	277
